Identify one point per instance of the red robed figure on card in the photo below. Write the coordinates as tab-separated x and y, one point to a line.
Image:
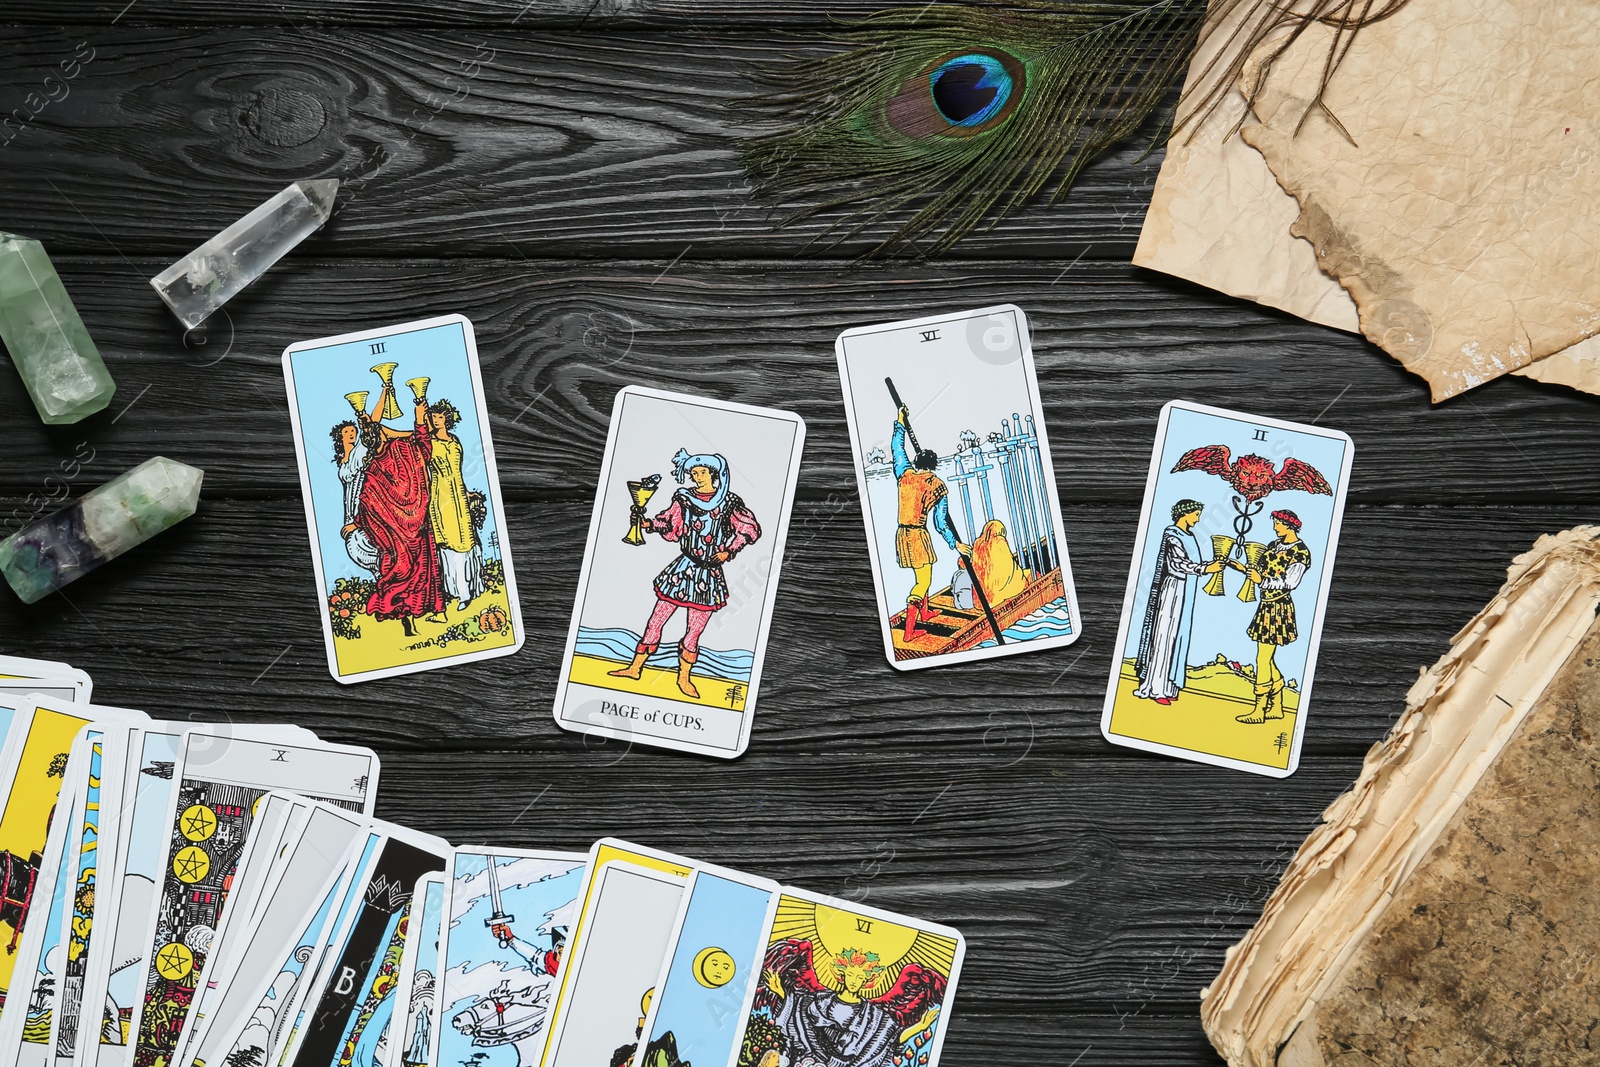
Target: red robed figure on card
394	512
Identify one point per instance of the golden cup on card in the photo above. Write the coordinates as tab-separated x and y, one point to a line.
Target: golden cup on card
358	401
1221	548
419	389
385	373
640	491
1254	554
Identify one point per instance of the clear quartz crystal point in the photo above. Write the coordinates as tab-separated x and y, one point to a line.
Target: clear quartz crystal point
212	274
125	512
58	361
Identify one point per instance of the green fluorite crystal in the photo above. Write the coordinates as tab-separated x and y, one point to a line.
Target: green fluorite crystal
58	361
127	511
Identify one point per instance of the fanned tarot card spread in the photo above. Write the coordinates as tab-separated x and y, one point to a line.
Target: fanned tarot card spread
675	598
846	984
408	533
220	777
957	488
1231	567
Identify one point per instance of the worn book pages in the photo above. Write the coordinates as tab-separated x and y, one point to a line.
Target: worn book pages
1219	217
1444	912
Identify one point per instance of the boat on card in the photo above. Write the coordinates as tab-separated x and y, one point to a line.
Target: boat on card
956	629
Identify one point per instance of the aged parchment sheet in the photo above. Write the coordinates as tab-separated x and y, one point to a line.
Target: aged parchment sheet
1219	217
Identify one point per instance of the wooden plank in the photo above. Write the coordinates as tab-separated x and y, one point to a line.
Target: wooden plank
1113	344
498	143
504	14
221	613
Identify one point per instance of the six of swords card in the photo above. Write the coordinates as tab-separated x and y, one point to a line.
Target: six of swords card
1218	640
958	490
669	630
408	534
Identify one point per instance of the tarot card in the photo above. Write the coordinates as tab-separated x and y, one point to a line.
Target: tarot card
317	855
115	968
709	552
610	971
610	850
408	534
1218	640
58	681
45	731
95	827
712	968
221	776
508	913
352	1007
958	490
280	817
883	982
115	838
416	996
25	1030
21	679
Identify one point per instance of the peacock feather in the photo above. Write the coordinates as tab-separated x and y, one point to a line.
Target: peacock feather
948	116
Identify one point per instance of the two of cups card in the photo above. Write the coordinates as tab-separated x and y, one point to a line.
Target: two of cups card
1217	641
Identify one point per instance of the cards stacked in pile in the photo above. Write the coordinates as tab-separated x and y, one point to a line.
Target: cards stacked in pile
221	895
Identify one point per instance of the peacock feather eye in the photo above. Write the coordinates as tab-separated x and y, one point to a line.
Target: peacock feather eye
971	89
959	94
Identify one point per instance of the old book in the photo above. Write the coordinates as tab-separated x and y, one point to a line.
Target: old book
1445	911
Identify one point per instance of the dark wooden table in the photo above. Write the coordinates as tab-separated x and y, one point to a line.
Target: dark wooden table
565	173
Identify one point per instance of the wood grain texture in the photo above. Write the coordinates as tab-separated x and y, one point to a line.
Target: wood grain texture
451	142
1406	579
717	15
564	172
1113	344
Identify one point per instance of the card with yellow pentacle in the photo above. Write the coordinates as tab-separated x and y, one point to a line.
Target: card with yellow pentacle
221	774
